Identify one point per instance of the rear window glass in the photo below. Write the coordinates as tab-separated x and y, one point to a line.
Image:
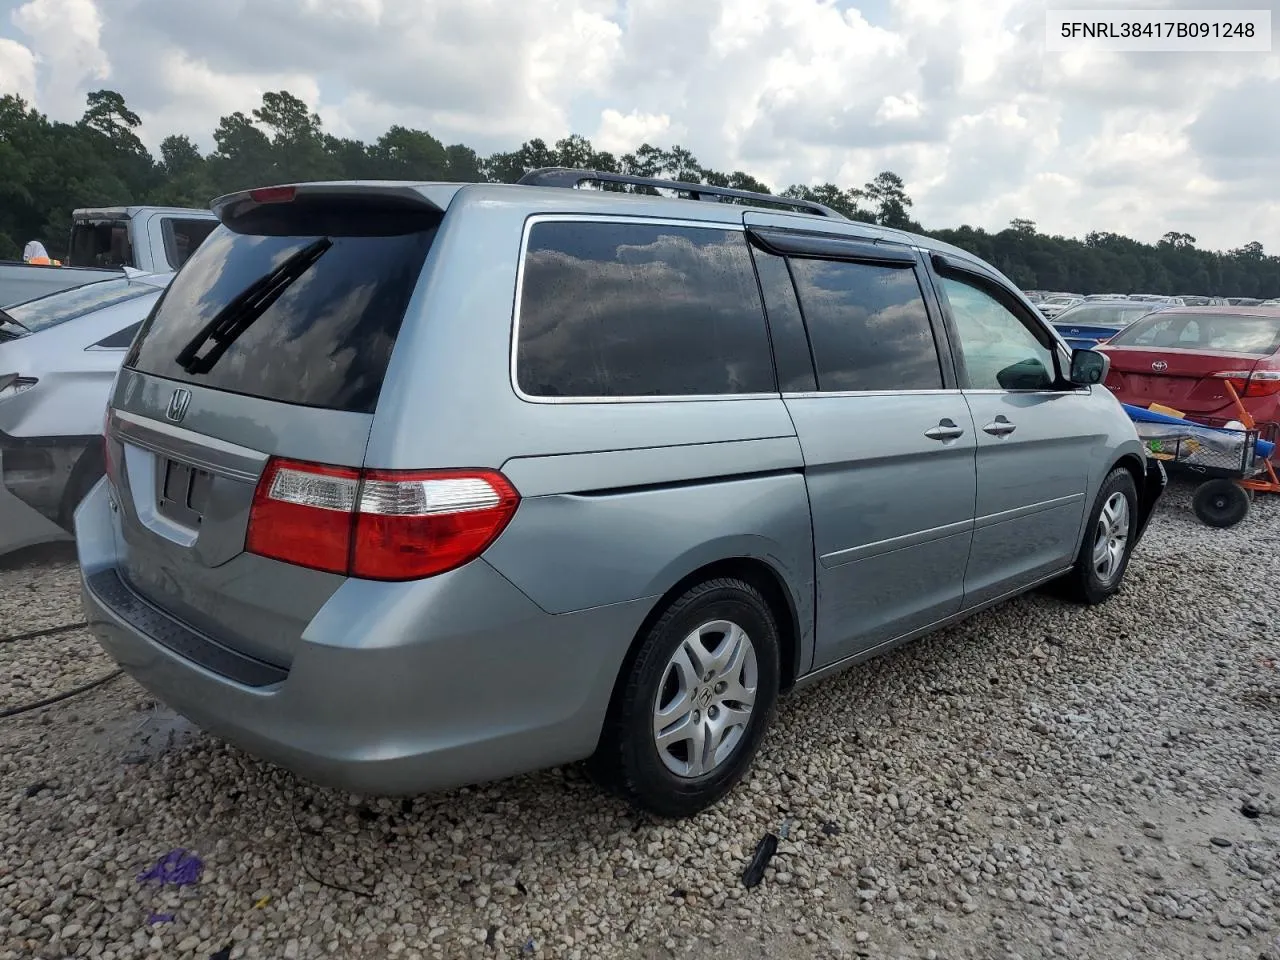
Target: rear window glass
182	236
55	308
100	243
326	338
637	310
1188	331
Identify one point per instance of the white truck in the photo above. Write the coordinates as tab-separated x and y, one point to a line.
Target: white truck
106	240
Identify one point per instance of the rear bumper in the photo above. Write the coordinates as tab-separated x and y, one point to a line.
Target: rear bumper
394	689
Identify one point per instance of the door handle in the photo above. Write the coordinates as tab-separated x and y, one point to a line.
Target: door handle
1000	427
944	431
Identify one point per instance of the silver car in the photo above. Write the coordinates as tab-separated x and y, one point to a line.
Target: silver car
411	485
58	356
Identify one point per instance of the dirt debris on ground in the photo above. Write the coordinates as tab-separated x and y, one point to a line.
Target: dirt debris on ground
1040	781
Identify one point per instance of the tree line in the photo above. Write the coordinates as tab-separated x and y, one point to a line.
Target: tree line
49	168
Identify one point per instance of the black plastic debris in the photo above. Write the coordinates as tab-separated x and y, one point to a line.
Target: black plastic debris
491	937
1220	841
831	828
223	954
1250	810
765	850
37	788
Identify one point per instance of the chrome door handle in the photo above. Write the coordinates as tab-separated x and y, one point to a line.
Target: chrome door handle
945	430
1000	427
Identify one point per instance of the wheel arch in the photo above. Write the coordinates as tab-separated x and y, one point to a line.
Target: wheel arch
758	573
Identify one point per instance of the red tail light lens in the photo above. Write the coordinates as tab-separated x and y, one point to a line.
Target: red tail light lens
273	194
1255	383
302	513
377	524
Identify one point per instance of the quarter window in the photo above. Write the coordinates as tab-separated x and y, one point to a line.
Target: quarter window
868	326
612	309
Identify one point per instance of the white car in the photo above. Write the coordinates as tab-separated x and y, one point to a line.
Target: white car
58	357
1052	306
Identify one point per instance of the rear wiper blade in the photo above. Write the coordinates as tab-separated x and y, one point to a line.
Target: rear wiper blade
250	304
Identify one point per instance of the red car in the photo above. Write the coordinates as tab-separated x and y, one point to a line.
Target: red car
1182	357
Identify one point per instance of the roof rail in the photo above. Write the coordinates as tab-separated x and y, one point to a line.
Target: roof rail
571	178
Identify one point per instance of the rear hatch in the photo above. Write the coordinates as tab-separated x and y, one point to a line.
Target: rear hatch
271	342
1184	360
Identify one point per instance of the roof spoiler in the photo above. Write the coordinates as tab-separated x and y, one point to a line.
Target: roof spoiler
572	178
235	204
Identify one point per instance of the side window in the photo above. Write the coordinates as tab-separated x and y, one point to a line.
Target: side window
998	350
786	325
640	310
868	326
181	237
121	339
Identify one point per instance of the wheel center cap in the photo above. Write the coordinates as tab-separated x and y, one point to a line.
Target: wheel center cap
704	697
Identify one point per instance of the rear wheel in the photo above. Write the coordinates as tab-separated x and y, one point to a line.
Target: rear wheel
1104	555
1220	503
691	712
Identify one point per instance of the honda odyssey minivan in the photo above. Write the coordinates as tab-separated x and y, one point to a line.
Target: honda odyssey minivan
417	485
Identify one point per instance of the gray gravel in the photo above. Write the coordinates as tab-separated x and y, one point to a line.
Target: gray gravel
1041	781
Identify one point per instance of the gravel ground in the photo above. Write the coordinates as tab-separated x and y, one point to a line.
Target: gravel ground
1041	781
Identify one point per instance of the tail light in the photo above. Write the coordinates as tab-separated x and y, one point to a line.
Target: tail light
273	194
1252	383
377	524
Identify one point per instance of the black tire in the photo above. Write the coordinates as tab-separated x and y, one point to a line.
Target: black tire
628	760
1084	584
1220	503
89	469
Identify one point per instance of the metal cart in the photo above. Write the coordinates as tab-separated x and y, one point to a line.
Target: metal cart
1225	458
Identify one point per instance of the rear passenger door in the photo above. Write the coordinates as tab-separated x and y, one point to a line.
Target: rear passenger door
887	438
1035	435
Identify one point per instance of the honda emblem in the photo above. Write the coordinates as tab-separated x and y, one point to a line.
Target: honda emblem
1159	366
178	405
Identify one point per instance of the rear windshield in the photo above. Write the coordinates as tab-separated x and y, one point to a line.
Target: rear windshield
100	243
326	338
1190	331
1108	316
55	308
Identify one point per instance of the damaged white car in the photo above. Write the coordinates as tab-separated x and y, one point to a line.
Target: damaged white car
58	357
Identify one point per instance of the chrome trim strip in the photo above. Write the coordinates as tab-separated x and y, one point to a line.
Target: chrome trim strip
991	519
536	219
820	394
864	551
189	447
867	550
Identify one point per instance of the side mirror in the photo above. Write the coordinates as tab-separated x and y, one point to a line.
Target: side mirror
1027	374
1089	367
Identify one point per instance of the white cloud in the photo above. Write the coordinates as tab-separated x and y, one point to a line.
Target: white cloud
620	133
957	96
64	36
17	69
